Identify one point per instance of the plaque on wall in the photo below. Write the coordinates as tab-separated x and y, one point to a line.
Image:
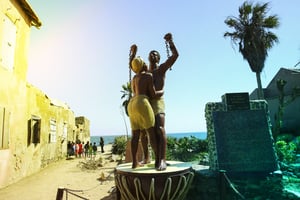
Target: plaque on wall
236	101
243	141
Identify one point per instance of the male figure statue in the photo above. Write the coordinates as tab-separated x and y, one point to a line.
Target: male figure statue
158	105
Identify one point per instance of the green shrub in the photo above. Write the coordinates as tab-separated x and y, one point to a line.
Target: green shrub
297	143
285	137
186	149
286	152
119	145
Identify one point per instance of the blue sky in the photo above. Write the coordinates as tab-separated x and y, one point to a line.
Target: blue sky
80	55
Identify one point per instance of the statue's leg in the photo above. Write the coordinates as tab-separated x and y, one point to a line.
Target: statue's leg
145	142
134	147
154	144
160	129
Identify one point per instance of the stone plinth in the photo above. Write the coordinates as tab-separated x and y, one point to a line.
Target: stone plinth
148	183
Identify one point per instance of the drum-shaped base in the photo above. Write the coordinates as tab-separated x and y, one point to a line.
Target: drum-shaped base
148	183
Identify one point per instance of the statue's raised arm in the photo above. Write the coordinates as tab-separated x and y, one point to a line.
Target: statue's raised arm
132	54
171	59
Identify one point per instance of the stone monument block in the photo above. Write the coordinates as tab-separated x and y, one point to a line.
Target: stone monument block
239	135
243	141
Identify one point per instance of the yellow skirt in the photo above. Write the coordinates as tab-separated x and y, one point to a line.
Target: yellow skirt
140	113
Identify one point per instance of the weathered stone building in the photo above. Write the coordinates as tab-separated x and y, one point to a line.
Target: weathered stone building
82	131
34	129
291	115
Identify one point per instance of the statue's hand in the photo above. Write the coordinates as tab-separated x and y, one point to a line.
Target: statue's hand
133	49
168	37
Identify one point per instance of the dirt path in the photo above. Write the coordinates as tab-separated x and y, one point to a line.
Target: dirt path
66	174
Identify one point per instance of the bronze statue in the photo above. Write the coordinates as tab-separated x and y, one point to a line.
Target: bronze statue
140	111
158	105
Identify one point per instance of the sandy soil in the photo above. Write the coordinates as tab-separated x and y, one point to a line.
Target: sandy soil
70	175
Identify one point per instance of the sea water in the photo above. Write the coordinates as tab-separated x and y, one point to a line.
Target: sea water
109	139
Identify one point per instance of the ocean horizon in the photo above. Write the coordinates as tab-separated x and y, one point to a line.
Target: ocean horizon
109	139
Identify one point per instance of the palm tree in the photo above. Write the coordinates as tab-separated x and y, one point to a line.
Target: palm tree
126	94
251	33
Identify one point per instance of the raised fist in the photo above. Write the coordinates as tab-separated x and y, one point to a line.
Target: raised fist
168	37
132	53
133	49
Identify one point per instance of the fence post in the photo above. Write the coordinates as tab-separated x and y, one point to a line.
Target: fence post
60	193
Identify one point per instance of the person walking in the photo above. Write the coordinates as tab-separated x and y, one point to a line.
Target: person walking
94	148
86	149
102	144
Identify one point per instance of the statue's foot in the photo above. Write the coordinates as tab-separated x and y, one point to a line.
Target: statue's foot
146	161
136	165
163	166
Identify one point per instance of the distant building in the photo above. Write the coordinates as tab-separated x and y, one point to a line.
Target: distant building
82	132
291	116
34	129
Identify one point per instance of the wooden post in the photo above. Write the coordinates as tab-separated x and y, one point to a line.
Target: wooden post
60	193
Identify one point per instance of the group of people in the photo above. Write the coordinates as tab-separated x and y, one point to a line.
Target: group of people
146	108
81	150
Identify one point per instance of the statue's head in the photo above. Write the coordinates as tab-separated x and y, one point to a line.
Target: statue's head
138	65
154	57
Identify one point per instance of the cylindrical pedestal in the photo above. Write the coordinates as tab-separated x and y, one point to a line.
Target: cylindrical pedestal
148	183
